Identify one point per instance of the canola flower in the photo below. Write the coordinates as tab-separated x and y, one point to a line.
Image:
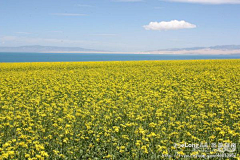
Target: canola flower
116	110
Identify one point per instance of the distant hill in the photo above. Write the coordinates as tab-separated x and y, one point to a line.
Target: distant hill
45	49
226	47
219	47
213	50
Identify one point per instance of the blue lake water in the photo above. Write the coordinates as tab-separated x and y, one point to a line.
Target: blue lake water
80	57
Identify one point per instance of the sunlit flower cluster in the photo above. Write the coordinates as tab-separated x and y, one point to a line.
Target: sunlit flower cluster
116	110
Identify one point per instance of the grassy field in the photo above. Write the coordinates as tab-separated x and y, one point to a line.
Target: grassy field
119	110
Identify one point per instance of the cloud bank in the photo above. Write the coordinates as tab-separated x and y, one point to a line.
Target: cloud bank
209	1
171	25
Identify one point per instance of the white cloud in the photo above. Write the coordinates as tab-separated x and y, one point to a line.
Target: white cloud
171	25
209	1
8	38
68	14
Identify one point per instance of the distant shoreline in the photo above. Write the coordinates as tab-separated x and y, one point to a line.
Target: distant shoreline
184	52
214	50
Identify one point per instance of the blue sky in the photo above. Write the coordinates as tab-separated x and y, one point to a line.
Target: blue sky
120	25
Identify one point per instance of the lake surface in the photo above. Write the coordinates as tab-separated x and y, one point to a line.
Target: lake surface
80	57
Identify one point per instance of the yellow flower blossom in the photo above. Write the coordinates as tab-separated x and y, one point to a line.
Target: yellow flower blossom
117	110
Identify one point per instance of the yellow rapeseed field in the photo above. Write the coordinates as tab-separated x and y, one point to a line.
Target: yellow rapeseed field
118	110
